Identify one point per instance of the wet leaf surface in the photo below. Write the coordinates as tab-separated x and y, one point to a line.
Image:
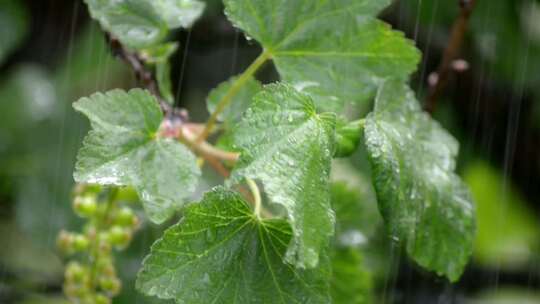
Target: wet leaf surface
221	253
144	23
123	148
288	147
424	203
336	50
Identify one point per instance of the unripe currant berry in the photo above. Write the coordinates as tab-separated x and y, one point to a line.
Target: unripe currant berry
105	245
105	267
90	232
125	217
110	285
127	195
86	189
85	206
88	298
119	237
101	299
71	290
76	274
64	242
80	242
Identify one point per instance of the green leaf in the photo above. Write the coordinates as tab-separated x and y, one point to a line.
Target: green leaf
289	147
134	22
220	252
351	283
159	55
334	49
124	148
226	141
504	239
163	77
179	13
144	23
240	102
422	200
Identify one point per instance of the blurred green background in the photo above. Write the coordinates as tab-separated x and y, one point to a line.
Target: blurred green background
51	54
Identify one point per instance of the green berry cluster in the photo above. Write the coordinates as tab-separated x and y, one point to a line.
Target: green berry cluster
90	277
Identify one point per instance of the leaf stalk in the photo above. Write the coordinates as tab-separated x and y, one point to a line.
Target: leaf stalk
207	149
234	89
257	202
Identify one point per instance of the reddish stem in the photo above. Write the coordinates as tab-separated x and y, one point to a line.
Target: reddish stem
451	53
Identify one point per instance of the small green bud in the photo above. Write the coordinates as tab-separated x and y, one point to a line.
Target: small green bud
348	135
119	237
85	206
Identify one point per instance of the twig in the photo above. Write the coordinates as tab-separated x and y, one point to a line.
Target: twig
102	222
217	165
144	75
206	148
175	117
176	123
173	127
187	133
179	117
440	77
